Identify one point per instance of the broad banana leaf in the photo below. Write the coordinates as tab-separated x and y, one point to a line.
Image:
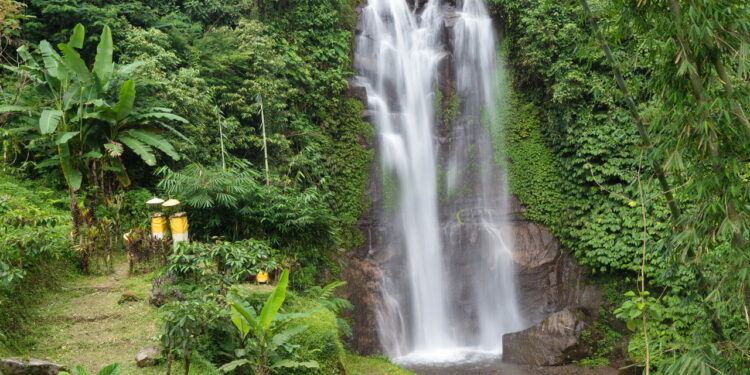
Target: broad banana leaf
127	97
231	366
103	65
161	116
128	69
23	52
288	363
77	37
113	369
274	302
65	137
246	313
75	63
51	60
243	326
49	120
119	168
73	176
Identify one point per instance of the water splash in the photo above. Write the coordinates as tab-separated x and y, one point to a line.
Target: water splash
449	292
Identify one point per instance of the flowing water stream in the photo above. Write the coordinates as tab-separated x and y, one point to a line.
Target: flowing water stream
449	291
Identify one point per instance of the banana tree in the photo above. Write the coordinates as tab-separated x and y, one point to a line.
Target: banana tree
265	337
86	132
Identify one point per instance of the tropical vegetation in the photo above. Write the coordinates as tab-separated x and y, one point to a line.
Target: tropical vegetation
626	133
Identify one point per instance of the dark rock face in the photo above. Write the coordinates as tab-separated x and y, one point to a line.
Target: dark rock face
548	276
363	291
358	92
17	366
554	341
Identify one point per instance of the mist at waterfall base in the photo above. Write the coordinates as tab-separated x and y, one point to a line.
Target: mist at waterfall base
449	291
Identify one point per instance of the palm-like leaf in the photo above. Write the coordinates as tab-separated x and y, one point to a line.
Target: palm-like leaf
141	149
284	336
154	140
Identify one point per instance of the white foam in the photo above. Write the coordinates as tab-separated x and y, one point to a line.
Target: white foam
448	356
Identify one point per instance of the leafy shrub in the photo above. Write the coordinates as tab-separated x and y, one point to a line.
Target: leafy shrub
164	289
326	297
35	252
185	325
221	263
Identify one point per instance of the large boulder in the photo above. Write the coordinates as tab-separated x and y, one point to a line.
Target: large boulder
148	357
549	279
18	366
561	338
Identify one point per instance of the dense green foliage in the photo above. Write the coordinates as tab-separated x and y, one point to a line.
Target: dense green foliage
213	65
198	81
34	251
261	333
201	71
580	166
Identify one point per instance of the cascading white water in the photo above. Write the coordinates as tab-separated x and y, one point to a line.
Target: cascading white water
433	309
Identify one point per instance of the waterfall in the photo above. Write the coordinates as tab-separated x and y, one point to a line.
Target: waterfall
449	286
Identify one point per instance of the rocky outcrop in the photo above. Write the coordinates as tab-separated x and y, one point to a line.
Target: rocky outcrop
548	276
18	366
555	341
148	357
363	291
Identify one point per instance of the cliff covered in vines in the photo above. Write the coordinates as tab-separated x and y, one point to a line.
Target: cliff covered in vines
580	166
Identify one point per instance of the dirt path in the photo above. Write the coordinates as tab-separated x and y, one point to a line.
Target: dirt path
85	325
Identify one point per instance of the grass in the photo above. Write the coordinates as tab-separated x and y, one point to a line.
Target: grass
83	324
356	365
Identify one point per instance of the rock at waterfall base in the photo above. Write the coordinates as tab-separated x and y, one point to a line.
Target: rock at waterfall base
148	357
561	338
18	366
